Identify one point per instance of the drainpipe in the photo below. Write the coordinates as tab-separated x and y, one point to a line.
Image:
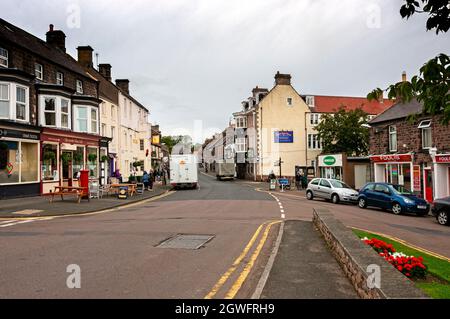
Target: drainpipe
254	145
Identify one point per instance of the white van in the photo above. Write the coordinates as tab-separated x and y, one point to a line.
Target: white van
183	171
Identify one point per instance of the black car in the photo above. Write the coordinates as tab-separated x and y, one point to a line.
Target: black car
441	209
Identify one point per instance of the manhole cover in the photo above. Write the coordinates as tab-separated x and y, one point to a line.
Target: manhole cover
184	241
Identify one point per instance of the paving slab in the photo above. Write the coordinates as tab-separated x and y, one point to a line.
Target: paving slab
304	268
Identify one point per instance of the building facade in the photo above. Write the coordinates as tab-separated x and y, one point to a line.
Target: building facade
414	153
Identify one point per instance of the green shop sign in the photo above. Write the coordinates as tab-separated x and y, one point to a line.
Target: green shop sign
329	160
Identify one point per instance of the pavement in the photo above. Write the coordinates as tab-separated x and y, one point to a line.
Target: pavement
304	267
39	206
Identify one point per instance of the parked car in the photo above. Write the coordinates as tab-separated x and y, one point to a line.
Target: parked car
441	210
331	189
394	197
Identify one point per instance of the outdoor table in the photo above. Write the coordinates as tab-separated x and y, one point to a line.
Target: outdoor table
69	190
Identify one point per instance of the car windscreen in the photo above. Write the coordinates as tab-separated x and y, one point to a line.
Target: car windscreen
339	184
400	189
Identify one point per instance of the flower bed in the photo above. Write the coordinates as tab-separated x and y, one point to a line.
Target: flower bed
410	266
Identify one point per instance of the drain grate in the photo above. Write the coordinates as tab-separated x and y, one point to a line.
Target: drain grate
186	241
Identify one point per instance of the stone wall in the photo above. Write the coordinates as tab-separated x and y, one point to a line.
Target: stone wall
355	257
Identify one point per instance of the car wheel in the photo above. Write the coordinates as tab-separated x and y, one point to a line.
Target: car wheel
362	203
309	195
335	198
396	208
442	218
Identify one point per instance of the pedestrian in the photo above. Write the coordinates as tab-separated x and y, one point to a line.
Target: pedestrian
304	181
298	180
272	176
151	179
146	180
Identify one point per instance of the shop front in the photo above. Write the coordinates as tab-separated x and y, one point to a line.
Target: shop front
19	160
330	166
105	163
397	169
64	154
441	166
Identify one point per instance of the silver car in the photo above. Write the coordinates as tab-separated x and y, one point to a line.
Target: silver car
331	189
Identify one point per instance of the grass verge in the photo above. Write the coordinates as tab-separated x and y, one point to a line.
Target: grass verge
437	283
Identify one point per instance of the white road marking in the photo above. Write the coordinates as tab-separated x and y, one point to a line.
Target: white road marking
13	222
283	215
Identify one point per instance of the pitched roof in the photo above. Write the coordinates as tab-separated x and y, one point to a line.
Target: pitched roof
330	104
39	47
398	111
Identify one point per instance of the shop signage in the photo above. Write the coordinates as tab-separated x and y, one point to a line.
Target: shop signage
18	134
391	158
68	140
123	192
284	136
442	158
416	178
330	160
155	139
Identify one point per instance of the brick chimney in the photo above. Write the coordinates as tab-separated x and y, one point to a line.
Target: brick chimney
282	79
404	76
124	85
105	70
85	56
56	38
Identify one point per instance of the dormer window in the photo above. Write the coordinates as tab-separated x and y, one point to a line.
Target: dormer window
39	71
310	101
79	87
3	57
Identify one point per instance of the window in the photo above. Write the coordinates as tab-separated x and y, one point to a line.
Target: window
82	119
369	187
22	157
289	101
94	121
240	144
382	189
125	107
141	144
79	87
92	161
425	126
21	103
113	132
325	183
4	100
38	71
392	138
50	111
314	118
241	122
103	129
3	57
59	78
50	162
310	101
64	113
113	112
315	182
314	142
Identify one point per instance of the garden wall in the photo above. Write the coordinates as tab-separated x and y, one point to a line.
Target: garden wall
355	257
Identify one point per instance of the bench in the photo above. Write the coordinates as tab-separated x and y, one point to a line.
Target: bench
80	192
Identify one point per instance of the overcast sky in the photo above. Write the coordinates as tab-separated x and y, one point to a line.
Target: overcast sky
191	60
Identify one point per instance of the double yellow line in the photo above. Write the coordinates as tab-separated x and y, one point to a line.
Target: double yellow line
247	268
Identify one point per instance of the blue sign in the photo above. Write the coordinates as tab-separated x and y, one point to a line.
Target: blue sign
284	137
283	181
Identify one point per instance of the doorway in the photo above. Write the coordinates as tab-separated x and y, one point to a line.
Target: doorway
428	185
67	168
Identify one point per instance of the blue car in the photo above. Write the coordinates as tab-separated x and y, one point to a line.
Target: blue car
394	197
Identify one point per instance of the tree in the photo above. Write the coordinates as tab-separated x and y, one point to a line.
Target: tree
432	86
345	131
171	141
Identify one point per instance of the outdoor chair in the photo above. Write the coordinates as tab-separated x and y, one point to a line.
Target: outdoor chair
94	190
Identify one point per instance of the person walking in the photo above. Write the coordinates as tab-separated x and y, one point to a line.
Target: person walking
146	180
304	181
151	180
298	180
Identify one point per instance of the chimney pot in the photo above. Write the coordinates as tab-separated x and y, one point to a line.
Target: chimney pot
282	79
105	70
404	76
123	84
51	27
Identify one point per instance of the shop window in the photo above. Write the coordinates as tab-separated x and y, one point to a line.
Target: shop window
77	161
4	100
29	162
425	126
50	162
392	138
92	159
9	162
50	111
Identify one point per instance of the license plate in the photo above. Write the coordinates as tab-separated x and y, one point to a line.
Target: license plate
421	207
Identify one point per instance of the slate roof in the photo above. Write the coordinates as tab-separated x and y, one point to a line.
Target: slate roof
398	111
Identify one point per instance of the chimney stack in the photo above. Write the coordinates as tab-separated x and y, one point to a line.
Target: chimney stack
105	70
85	56
404	76
123	84
56	38
282	79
